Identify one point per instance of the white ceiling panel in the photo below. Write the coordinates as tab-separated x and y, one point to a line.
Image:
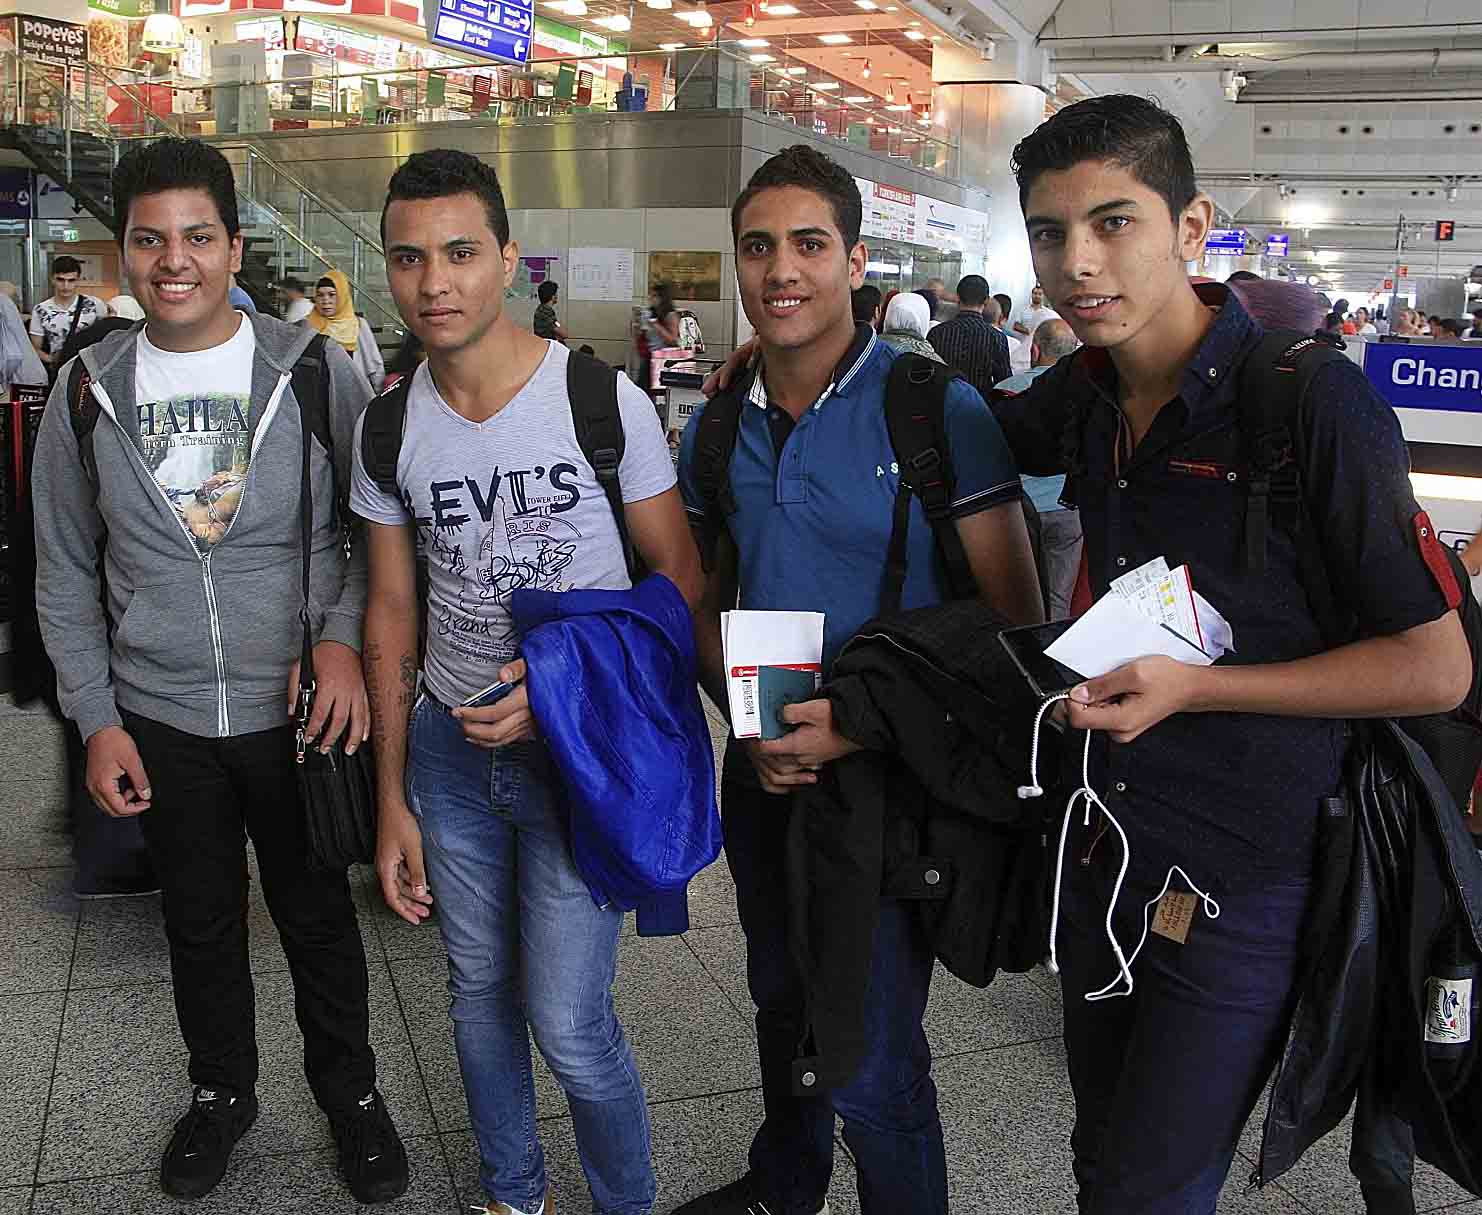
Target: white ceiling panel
1083	18
1192	16
1139	16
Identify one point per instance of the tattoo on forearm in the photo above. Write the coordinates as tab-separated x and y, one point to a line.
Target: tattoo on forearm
408	667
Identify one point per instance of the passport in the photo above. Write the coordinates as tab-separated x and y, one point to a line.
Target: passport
778	687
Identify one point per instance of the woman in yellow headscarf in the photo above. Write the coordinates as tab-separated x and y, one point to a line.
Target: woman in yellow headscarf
334	314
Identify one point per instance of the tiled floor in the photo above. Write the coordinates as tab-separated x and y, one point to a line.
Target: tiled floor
92	1071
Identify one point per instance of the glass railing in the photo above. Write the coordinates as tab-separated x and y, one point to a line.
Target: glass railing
714	76
82	130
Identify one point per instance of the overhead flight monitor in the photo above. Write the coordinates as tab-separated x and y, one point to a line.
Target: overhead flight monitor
497	29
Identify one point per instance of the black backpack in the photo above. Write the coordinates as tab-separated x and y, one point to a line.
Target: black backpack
915	415
591	387
1273	384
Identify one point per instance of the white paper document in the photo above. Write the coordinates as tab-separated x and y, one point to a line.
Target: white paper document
1152	610
752	640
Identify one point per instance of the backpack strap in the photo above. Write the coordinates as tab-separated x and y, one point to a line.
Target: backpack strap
592	388
915	414
83	410
715	443
380	436
309	378
1274	379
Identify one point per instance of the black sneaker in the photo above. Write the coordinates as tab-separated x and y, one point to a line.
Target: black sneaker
203	1140
744	1196
373	1161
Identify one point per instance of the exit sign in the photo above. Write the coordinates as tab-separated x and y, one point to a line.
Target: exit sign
1445	229
1389	284
71	235
1404	271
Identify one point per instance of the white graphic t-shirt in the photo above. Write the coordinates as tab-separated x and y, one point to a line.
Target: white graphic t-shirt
194	426
52	322
503	504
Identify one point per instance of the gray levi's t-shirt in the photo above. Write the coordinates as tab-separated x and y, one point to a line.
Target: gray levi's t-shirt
503	504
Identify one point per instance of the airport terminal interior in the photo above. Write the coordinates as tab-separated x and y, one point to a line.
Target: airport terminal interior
1340	142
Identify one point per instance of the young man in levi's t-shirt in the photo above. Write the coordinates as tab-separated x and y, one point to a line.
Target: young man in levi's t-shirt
495	493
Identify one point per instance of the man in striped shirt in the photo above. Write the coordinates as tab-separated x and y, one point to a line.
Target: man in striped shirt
970	342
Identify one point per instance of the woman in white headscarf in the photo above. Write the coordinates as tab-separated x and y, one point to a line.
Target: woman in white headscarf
126	308
906	321
19	362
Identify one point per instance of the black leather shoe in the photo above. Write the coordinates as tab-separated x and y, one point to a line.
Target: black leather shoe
744	1196
203	1141
373	1161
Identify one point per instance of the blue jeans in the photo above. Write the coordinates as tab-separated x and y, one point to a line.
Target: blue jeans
1165	1079
525	942
889	1109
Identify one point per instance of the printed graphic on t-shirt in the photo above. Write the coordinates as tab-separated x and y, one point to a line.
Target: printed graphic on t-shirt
198	447
53	323
488	535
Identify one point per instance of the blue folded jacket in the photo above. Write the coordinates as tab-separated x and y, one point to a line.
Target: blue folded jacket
612	686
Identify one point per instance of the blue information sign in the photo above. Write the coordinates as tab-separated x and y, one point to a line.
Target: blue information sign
1278	244
499	29
1423	376
1225	240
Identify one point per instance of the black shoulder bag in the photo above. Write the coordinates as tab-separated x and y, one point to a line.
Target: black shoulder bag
337	790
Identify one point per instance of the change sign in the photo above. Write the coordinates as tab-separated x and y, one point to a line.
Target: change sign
62	42
1423	376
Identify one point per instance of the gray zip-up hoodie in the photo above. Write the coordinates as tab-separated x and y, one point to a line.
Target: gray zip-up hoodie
201	641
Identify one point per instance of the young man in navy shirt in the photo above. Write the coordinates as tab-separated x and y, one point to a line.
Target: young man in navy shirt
814	484
1218	770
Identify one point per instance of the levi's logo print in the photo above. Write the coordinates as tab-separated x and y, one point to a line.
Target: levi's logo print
197	446
485	537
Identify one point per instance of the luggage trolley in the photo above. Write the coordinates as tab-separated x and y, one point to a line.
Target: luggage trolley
682	396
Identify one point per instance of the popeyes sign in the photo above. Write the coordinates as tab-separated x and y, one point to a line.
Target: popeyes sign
60	42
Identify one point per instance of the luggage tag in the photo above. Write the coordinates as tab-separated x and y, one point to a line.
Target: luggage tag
1175	915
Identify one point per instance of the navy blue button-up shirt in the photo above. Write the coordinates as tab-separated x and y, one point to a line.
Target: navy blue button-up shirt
1233	798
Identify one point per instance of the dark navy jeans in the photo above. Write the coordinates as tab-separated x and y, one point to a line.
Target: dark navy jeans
1166	1078
889	1109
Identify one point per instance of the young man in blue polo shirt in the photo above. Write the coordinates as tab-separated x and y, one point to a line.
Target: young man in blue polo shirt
814	487
1221	770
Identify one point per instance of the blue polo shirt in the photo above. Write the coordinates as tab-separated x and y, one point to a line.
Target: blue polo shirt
814	504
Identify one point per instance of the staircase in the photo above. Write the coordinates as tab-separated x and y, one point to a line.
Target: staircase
287	228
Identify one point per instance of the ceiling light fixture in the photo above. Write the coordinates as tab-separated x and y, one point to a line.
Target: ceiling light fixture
826	85
915	35
780	10
897	109
671	46
796	71
661	4
858	98
865	71
869	6
753	43
763	58
163	33
618	23
750	15
834	39
889	90
1452	193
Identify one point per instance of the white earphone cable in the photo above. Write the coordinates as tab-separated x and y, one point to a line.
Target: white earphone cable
1090	797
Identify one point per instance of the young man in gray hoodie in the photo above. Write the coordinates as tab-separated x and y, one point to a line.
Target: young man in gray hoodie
182	500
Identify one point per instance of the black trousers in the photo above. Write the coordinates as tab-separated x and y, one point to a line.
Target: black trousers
208	795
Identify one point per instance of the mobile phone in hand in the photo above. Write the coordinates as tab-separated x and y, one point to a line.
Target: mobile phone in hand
1026	647
493	694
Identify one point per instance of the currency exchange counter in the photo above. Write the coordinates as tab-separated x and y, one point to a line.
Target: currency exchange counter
1436	391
